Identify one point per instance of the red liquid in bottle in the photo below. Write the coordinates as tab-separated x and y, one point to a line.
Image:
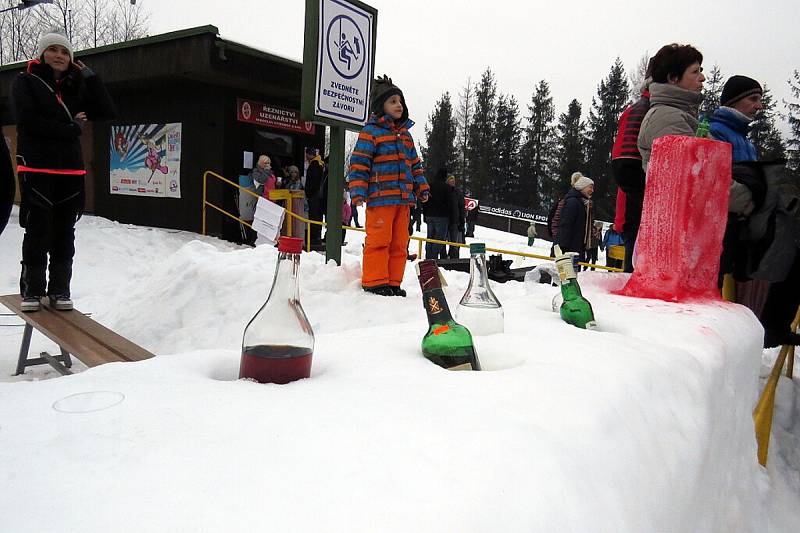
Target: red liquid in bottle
275	364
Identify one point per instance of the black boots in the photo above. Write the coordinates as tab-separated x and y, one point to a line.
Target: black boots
385	290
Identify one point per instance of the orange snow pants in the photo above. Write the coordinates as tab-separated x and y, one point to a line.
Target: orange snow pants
386	245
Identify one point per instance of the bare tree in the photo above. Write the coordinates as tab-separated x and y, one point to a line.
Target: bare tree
127	21
17	34
86	23
637	76
464	110
97	11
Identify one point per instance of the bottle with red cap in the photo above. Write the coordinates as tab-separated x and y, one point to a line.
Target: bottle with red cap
278	341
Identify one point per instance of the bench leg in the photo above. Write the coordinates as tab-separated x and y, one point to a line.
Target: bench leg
65	358
23	349
62	362
55	362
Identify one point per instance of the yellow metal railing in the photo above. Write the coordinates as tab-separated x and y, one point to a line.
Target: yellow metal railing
763	413
308	222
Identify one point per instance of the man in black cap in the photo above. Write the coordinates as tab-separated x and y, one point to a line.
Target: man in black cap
740	102
730	122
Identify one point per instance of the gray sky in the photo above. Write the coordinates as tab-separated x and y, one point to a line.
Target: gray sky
432	46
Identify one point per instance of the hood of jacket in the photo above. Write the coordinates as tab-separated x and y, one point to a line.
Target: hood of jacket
735	120
387	122
45	72
666	94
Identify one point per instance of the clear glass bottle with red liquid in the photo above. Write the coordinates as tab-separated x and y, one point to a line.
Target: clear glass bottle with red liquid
278	341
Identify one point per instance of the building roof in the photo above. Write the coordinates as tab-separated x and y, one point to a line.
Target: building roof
172	36
194	55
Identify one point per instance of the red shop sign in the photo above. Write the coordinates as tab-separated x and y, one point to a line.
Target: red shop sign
272	116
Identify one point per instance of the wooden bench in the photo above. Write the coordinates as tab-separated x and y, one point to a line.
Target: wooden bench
75	333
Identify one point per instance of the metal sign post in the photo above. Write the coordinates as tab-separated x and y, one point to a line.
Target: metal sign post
338	64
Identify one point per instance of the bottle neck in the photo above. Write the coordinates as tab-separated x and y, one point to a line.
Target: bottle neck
432	294
285	285
478	273
566	268
570	290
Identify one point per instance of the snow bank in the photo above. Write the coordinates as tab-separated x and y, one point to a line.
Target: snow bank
643	426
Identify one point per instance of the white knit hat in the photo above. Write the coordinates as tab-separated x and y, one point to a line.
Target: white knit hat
583	182
49	39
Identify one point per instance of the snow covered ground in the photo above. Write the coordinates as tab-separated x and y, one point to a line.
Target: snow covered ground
643	426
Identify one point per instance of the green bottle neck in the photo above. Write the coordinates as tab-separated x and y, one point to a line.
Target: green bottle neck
570	290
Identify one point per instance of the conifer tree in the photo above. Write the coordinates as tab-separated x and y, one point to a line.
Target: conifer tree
570	154
505	178
612	96
764	133
480	135
440	137
793	118
712	90
539	148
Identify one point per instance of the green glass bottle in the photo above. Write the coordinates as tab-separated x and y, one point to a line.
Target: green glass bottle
703	129
447	343
575	309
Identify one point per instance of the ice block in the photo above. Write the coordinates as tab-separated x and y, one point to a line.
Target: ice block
683	220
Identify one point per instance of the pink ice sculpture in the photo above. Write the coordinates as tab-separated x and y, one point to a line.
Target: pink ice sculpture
683	220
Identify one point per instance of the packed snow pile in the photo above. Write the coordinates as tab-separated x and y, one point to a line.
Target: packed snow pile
644	425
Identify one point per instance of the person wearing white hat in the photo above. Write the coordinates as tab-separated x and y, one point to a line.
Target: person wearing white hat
51	101
575	218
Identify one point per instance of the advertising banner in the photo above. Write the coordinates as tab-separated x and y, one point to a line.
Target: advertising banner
272	116
512	211
145	160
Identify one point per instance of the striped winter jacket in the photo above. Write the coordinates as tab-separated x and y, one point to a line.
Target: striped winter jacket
385	168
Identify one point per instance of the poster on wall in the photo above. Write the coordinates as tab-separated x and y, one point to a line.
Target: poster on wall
145	160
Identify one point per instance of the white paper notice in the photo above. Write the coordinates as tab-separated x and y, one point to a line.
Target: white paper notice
268	221
247	161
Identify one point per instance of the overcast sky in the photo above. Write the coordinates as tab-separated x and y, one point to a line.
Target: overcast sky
432	46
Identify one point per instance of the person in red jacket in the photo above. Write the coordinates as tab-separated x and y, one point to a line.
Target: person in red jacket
626	166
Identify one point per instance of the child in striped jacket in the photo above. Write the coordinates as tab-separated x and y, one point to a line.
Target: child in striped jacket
386	173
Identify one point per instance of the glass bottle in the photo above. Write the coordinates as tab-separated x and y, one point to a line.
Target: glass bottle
278	341
703	129
479	309
447	343
575	309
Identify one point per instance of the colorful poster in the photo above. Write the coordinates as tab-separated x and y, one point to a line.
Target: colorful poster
146	160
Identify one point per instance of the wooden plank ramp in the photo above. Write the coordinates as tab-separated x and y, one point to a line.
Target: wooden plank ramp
87	340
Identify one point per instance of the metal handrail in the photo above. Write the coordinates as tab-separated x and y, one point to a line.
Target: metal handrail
308	222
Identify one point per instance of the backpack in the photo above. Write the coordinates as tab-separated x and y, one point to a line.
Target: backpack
554	217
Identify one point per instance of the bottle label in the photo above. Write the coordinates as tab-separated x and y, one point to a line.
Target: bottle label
434	307
465	366
565	269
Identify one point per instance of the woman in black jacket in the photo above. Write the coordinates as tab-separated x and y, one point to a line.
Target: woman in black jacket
574	225
51	101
